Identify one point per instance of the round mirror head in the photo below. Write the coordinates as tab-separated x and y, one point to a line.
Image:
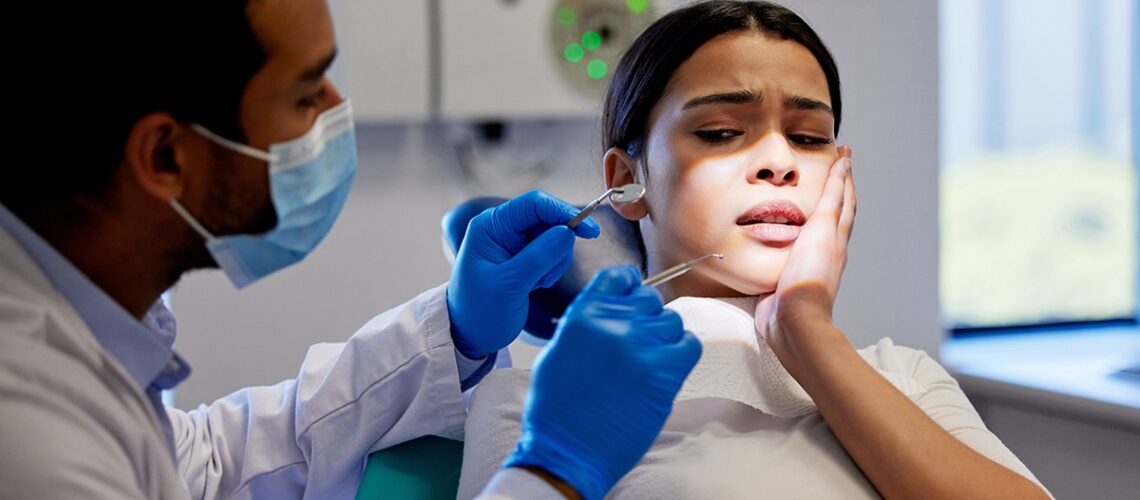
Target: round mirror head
628	193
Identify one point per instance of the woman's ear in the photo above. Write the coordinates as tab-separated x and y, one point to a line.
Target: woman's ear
620	170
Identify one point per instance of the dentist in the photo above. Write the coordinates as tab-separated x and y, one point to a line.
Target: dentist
156	138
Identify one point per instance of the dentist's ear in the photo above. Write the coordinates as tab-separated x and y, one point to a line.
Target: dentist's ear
619	170
151	157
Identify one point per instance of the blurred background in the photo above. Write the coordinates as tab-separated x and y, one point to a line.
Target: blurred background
1038	216
996	149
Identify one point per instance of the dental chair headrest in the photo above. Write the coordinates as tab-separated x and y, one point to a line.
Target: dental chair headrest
617	245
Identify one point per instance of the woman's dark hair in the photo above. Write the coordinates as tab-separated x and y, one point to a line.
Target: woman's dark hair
656	54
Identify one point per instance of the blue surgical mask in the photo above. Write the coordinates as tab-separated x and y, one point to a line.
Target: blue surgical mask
309	178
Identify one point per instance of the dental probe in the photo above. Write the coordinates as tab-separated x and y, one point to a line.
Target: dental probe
668	274
677	270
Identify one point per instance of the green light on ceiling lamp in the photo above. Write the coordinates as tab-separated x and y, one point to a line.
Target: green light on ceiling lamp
596	69
573	53
565	16
591	40
637	6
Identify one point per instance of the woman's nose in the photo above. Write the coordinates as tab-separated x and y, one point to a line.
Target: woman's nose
775	163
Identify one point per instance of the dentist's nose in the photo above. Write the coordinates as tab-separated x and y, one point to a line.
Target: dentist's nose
775	162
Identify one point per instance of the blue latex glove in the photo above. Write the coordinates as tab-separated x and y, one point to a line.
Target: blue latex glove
508	251
603	387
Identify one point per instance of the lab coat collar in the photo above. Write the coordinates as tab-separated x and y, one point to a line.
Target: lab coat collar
144	348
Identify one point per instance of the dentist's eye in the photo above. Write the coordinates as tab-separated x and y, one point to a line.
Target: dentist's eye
717	136
809	141
311	100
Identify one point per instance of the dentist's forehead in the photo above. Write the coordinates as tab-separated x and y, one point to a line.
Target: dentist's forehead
298	30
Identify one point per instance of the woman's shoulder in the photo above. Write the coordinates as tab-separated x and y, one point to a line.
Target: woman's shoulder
885	350
904	361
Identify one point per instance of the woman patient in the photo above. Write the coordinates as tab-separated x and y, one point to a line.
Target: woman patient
727	113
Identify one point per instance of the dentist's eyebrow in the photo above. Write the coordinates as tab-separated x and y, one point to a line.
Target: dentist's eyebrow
317	71
807	104
735	97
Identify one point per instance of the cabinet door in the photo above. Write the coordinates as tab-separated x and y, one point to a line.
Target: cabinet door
383	60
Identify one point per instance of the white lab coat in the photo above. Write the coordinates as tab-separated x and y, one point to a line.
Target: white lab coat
395	380
73	424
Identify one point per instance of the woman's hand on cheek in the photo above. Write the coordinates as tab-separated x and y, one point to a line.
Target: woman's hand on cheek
807	286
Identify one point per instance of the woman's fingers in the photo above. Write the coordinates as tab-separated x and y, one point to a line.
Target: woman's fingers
830	205
850	207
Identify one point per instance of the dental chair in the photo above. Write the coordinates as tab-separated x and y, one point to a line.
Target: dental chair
427	468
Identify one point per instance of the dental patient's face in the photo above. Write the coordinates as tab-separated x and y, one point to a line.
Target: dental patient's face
738	150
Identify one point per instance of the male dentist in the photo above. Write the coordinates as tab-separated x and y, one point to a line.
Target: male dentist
152	138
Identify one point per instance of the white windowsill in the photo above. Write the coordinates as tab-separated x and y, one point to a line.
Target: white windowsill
1074	373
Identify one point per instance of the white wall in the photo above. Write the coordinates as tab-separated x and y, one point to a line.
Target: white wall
386	246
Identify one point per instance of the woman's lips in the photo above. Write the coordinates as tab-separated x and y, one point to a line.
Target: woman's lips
773	234
774	222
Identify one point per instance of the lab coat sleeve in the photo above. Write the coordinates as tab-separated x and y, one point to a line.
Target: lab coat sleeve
394	380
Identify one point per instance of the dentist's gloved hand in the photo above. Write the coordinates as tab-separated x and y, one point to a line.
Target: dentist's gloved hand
508	251
604	386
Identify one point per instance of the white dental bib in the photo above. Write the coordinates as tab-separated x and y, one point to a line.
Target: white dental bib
737	366
741	427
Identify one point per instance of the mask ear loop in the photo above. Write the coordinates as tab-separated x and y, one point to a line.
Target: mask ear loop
198	228
237	147
232	145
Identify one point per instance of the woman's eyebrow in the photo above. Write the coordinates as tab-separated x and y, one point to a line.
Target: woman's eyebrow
807	104
734	97
749	97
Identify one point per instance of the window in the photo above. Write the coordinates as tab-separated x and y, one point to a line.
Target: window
1038	177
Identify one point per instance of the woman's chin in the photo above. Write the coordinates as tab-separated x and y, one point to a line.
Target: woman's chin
754	273
752	285
759	290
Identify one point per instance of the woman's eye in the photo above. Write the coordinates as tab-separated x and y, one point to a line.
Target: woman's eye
809	140
717	136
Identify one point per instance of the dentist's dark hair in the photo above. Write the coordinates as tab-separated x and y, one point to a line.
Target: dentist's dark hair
640	78
645	69
89	71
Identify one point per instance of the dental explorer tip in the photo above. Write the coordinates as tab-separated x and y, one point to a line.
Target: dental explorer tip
707	256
